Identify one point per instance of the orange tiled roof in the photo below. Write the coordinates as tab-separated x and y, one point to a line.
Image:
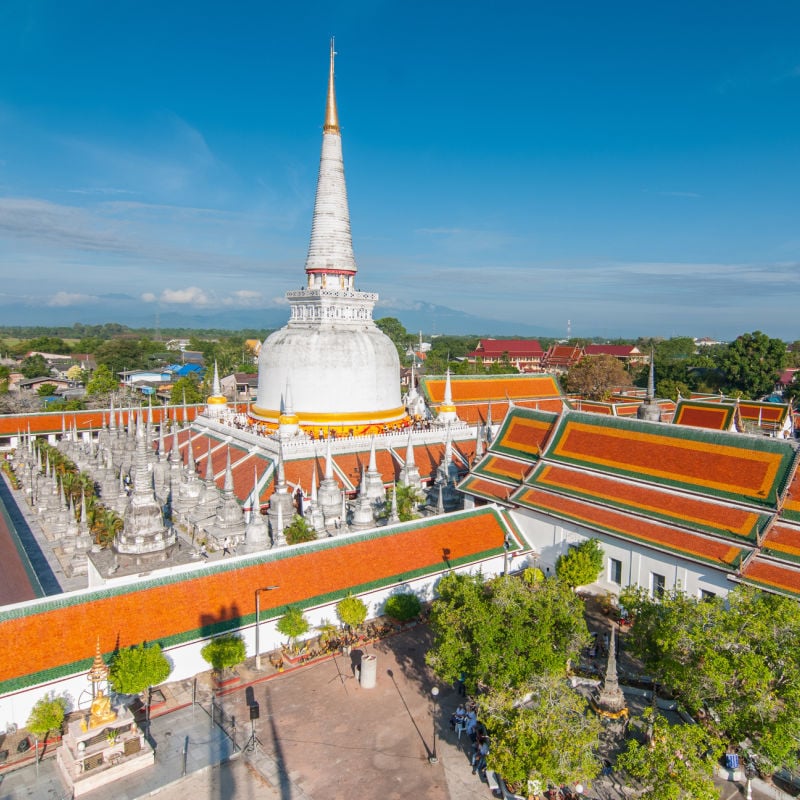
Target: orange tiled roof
751	470
791	501
472	388
714	416
495	492
783	541
503	469
184	607
524	433
722	554
773	576
712	516
763	413
51	422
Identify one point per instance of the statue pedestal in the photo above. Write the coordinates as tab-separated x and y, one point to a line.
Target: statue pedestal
89	759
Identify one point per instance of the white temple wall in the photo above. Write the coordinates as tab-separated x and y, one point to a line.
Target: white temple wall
638	564
15	707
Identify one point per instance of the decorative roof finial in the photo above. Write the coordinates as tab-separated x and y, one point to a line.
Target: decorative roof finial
331	116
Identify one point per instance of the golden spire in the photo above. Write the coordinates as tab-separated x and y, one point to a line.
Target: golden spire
99	670
331	117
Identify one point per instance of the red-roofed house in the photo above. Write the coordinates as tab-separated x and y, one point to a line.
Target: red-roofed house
627	353
524	354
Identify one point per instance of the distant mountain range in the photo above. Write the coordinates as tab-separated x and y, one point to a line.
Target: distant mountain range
126	310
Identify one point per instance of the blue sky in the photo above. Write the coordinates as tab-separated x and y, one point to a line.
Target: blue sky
632	167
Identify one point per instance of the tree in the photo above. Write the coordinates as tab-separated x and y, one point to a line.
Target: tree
46	389
224	652
549	739
581	564
299	531
34	367
352	611
736	657
187	388
504	632
293	625
674	764
403	607
408	499
134	669
752	363
47	715
102	381
594	377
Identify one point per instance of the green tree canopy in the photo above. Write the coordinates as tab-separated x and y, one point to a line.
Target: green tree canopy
594	377
293	624
186	387
224	652
752	363
102	381
675	764
47	715
581	564
551	738
49	344
46	389
299	531
34	367
408	499
737	657
134	669
352	611
477	627
403	606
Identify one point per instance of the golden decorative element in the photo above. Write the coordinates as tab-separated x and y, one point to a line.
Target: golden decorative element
99	669
320	418
215	400
331	116
101	711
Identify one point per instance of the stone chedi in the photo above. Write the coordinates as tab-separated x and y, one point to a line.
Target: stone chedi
331	339
609	701
144	535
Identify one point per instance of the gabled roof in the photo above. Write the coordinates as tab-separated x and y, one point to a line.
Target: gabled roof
741	468
725	499
514	348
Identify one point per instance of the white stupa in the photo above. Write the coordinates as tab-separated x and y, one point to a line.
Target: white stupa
344	372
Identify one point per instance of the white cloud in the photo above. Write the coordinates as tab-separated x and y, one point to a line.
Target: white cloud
63	299
149	297
191	295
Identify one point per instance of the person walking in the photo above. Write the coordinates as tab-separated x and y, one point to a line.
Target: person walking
226	546
203	551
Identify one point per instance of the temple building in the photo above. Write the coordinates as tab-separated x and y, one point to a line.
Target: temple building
508	473
331	339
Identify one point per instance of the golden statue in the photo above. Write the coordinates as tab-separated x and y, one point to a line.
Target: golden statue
101	712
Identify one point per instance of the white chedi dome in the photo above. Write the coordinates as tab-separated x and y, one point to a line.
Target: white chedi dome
343	376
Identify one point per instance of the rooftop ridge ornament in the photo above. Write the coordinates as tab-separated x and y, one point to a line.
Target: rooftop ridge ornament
99	670
331	115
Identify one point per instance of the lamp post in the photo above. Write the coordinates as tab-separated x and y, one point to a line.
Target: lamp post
258	614
433	759
506	547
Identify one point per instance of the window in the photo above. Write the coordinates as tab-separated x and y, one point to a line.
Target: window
657	584
706	595
615	571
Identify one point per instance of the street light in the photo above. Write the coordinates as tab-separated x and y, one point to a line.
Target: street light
506	548
258	614
434	695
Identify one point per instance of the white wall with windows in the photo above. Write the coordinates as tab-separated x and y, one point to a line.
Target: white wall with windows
626	563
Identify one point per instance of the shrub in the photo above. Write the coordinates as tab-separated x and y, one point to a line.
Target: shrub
351	611
293	624
403	607
224	652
